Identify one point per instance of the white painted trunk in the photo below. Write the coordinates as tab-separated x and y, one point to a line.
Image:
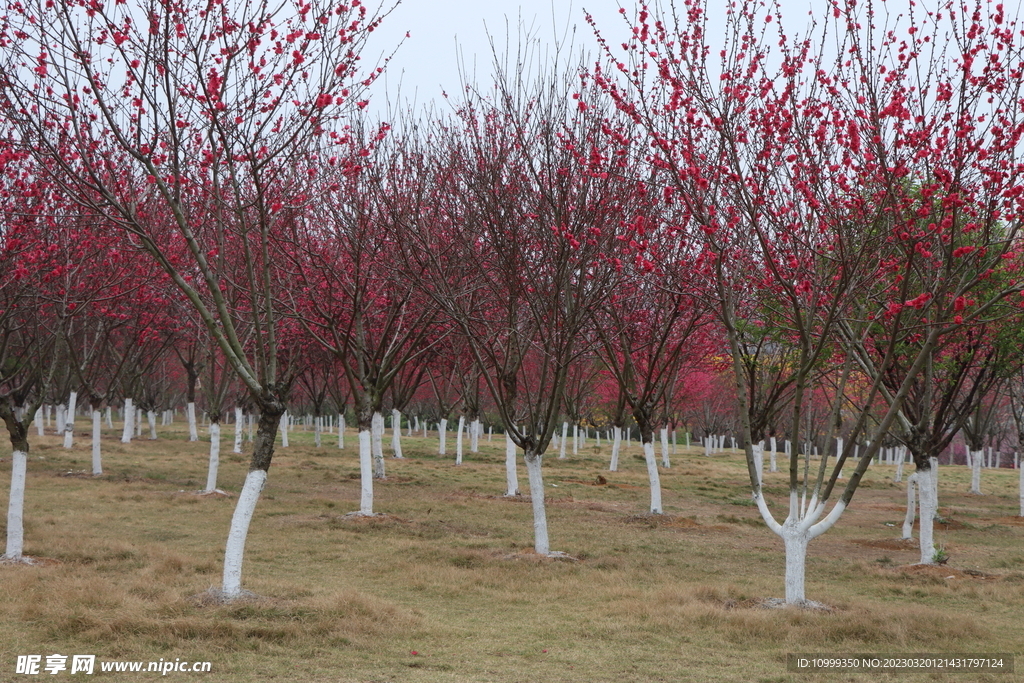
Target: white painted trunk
97	457
365	473
151	416
282	427
341	431
976	458
235	550
49	411
138	422
239	424
442	432
511	476
193	432
773	464
377	444
664	448
575	439
901	458
597	436
129	415
110	419
474	436
540	520
928	487
565	435
40	429
1020	488
758	450
616	443
707	446
211	473
16	507
318	423
490	434
796	563
652	475
673	442
908	520
396	433
458	440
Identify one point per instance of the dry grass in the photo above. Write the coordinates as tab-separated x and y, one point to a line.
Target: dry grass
448	570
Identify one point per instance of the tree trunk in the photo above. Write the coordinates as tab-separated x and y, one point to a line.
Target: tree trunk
653	476
341	431
283	426
512	478
193	432
908	520
239	424
396	432
40	430
575	439
263	452
928	495
474	436
365	472
16	504
151	416
69	421
773	465
97	457
129	418
442	431
540	520
664	448
616	443
758	450
458	440
561	445
377	434
795	541
109	417
976	458
211	476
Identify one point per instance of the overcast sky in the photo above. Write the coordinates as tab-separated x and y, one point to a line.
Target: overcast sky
439	30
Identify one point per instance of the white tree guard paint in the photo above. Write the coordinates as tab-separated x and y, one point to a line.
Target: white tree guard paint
490	433
976	458
1020	487
151	416
137	421
49	411
475	429
109	418
40	429
318	422
458	440
758	450
129	428
901	459
673	442
193	431
97	456
16	507
540	520
707	446
283	428
561	445
442	432
664	448
511	476
235	550
773	464
653	476
575	439
597	435
341	431
396	433
365	473
928	495
69	422
211	474
616	443
239	424
377	444
908	519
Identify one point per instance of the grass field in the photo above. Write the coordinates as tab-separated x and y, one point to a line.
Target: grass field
443	586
